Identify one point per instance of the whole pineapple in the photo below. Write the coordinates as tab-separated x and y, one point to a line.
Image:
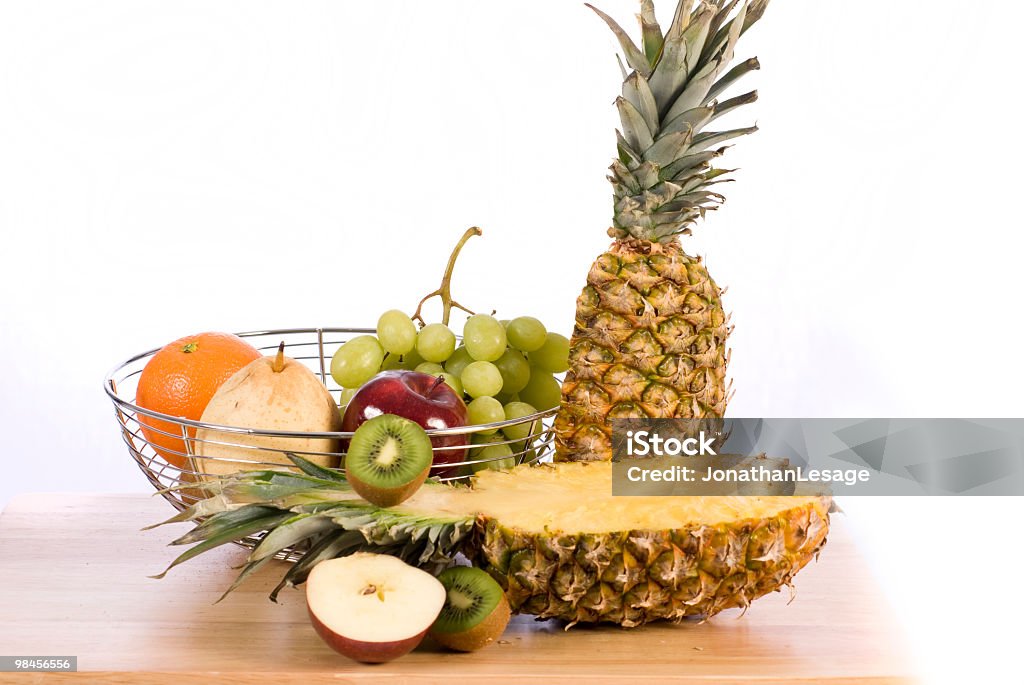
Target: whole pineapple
650	333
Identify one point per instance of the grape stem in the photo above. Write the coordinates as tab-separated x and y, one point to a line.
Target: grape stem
445	290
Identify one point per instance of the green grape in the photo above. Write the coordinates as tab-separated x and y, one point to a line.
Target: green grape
459	360
453	382
506	397
484	337
485	410
431	368
526	333
481	379
478	440
346	396
494	457
392	361
435	342
504	322
515	371
520	431
401	361
542	390
357	361
396	332
553	355
411	360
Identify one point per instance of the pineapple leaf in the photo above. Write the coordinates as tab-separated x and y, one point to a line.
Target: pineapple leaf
315	470
695	93
681	17
670	75
715	173
754	12
661	195
706	140
669	148
665	105
622	67
289	532
634	56
691	120
202	508
634	127
680	217
328	547
696	34
653	40
701	198
227	520
647	175
721	14
733	30
717	32
271	486
320	516
741	69
312	501
683	166
225	535
626	154
247	570
705	179
699	85
638	93
726	106
624	177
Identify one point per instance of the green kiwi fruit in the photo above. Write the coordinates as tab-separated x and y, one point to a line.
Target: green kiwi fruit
475	610
388	459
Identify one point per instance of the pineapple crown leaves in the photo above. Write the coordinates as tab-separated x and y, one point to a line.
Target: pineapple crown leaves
315	511
669	95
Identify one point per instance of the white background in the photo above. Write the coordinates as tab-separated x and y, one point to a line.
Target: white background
171	167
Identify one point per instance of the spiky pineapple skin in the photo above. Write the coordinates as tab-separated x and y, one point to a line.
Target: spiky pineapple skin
634	577
649	341
651	558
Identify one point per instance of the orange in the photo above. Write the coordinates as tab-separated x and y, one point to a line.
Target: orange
180	379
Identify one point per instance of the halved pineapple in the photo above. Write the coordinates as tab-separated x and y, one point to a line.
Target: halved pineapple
554	537
564	547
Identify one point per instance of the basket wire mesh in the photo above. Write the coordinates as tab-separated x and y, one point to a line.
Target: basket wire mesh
177	461
173	470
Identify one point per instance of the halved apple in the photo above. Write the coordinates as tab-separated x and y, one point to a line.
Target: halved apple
372	607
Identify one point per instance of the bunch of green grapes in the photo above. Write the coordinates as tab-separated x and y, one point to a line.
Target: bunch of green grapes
501	368
509	446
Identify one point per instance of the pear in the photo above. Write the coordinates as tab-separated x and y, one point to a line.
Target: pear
274	394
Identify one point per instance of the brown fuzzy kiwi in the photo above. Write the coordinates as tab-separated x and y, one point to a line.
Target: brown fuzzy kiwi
475	611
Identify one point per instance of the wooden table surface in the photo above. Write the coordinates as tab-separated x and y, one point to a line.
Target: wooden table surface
73	581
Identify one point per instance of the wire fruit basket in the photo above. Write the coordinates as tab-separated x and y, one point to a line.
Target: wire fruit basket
178	474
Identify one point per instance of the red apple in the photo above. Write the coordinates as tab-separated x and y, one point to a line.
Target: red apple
372	607
419	397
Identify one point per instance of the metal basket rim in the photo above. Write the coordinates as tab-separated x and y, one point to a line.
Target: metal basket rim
110	388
